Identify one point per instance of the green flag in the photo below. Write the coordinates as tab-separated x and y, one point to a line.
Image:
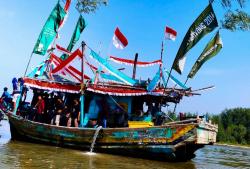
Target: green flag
49	30
76	35
203	25
212	49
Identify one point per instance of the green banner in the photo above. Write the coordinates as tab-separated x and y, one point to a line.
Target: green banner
212	49
76	35
203	25
49	30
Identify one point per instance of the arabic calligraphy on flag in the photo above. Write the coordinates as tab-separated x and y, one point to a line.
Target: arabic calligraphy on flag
49	30
213	48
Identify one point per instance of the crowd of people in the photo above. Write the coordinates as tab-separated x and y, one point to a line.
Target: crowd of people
62	110
51	109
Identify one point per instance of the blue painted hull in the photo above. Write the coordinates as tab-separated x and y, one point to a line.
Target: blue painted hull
168	143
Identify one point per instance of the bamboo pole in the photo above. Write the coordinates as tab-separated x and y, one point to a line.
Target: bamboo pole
135	64
26	69
82	88
186	81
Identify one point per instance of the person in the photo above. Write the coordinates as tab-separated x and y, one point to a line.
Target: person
40	106
65	117
75	112
50	106
121	117
58	111
16	91
6	96
182	116
46	117
24	93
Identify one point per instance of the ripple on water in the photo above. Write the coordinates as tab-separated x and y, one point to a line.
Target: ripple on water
223	157
14	154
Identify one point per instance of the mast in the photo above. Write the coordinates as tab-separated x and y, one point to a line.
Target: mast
82	87
135	63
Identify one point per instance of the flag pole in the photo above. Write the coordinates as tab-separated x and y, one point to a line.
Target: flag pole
169	75
26	69
186	81
82	87
161	73
110	46
135	64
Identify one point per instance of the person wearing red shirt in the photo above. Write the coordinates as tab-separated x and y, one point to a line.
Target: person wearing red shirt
40	105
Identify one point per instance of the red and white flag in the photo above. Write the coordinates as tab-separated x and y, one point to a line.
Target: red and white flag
119	40
170	33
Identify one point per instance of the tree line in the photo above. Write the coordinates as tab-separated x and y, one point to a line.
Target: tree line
234	126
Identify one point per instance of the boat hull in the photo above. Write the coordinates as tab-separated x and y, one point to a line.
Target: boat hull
173	142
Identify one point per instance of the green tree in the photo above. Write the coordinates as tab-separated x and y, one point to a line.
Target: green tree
234	125
235	17
240	133
88	6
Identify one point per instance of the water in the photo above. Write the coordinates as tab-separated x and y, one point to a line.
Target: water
94	138
14	154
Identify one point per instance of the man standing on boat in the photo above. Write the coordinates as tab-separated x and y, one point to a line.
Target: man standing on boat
16	91
75	113
40	106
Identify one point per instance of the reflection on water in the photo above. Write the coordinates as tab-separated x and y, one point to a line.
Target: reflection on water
223	157
15	154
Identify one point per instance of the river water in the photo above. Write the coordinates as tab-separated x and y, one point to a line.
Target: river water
14	154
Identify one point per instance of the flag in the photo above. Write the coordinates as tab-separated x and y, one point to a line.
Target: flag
119	40
81	24
213	48
203	25
170	33
49	30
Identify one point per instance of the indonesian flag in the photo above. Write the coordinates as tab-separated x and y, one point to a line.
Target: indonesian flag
170	33
119	40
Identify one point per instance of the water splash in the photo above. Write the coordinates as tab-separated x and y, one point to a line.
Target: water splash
90	153
94	138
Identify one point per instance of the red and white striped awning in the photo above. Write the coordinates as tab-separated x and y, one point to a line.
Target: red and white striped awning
131	62
52	86
119	91
75	88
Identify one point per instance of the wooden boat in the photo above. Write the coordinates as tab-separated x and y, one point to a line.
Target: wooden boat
172	141
176	141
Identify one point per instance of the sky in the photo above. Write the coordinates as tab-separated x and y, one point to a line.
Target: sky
143	23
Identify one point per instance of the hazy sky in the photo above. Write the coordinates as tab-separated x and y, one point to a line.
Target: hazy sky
143	23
